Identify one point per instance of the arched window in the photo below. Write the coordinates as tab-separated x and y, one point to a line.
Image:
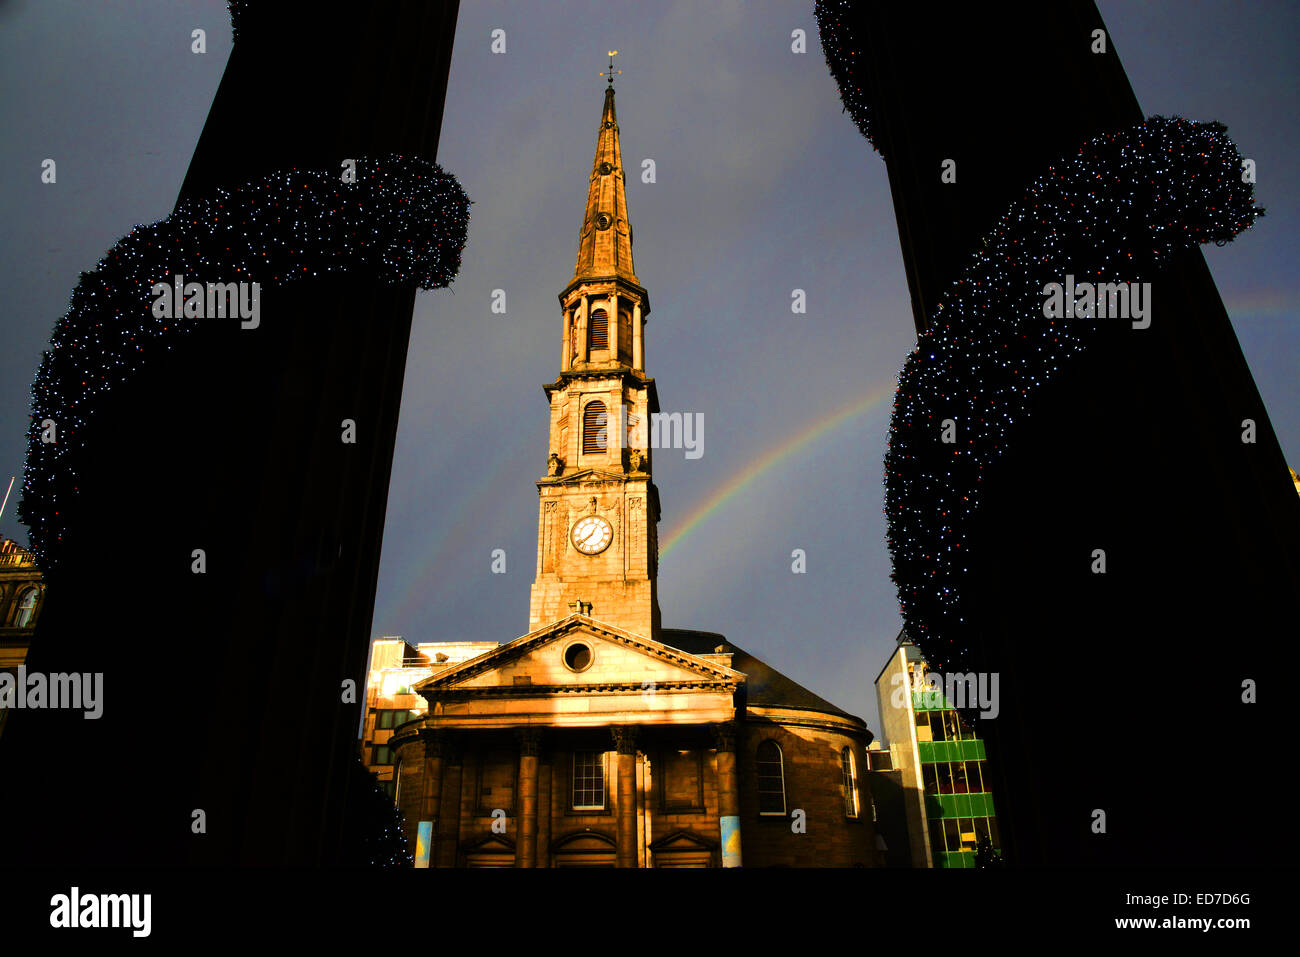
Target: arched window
594	418
26	609
771	779
850	783
598	330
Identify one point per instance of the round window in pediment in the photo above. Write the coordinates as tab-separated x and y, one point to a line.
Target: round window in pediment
577	656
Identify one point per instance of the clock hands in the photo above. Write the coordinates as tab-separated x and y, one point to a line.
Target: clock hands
590	534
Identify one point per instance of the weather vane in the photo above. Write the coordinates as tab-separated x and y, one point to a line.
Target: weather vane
612	72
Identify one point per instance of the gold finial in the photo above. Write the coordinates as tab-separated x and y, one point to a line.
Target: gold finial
612	72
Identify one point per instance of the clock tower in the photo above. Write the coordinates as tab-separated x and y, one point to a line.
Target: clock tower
597	543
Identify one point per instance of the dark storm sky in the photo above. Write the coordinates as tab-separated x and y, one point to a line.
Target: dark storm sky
763	186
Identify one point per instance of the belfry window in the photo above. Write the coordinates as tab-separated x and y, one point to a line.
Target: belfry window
598	330
594	419
850	784
771	779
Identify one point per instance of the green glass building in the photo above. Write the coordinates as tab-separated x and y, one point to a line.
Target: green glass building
936	766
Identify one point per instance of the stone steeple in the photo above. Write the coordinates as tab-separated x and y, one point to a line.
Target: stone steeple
605	241
597	542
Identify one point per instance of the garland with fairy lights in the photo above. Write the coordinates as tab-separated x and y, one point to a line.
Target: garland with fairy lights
237	9
1125	204
397	220
843	59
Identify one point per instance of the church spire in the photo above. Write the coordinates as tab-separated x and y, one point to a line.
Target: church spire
597	530
605	241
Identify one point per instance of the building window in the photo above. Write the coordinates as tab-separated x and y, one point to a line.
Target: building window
594	418
385	719
850	784
26	609
771	779
938	729
588	780
382	754
598	330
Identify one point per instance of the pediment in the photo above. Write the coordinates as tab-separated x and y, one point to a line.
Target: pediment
682	840
491	844
548	661
582	476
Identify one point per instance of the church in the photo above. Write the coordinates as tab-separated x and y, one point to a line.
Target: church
600	738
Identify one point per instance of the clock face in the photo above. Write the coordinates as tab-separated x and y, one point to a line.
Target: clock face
591	535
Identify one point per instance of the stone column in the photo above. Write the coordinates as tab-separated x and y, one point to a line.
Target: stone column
638	354
580	333
568	341
625	745
431	799
447	838
728	794
544	799
529	748
613	325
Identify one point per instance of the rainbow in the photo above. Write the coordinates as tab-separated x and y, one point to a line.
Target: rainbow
764	463
445	556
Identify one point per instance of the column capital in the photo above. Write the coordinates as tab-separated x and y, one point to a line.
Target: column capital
530	742
450	744
435	742
624	736
724	735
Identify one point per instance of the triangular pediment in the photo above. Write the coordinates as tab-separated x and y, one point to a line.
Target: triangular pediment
580	653
582	476
682	840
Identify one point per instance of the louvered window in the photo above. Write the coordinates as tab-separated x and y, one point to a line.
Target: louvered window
594	420
598	330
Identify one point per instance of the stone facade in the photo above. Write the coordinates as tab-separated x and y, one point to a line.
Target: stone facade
662	739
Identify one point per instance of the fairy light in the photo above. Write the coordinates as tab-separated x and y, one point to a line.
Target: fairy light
403	220
1116	211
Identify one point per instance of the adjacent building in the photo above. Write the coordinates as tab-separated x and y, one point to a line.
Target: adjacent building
931	783
395	668
22	593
